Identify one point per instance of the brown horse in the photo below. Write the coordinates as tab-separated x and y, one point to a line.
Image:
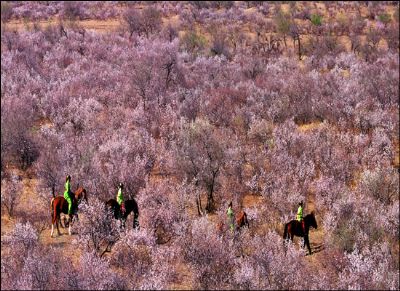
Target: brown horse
59	205
81	194
130	205
294	228
241	220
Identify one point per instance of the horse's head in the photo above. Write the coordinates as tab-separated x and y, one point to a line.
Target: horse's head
81	194
312	222
113	206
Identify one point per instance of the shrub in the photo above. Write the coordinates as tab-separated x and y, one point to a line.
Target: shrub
193	42
97	229
10	193
212	258
385	18
316	19
6	11
144	22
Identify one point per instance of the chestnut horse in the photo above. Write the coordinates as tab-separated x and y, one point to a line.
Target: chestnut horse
130	205
294	228
241	220
59	205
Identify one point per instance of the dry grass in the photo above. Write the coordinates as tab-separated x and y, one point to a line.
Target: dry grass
309	126
30	200
7	224
110	25
396	161
185	279
173	20
250	200
101	26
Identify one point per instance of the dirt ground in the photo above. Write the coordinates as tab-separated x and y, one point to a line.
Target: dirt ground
65	242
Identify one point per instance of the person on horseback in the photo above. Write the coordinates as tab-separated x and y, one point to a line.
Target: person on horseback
229	212
68	195
299	216
120	198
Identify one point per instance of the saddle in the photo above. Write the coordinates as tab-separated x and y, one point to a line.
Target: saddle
123	210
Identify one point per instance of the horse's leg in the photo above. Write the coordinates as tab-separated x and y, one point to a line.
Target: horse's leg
122	223
70	223
52	225
57	219
285	232
304	241
53	216
62	221
307	242
135	221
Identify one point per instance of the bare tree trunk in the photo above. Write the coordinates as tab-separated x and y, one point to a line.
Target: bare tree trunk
210	196
198	204
106	250
210	200
299	48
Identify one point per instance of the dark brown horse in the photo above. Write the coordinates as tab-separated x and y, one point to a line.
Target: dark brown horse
59	205
294	228
130	205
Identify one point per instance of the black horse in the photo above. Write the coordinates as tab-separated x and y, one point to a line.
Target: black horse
130	205
294	228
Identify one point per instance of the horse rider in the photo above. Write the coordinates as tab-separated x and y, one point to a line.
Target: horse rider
120	198
68	195
299	216
229	212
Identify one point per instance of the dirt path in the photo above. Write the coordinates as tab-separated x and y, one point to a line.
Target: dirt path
316	236
97	25
101	26
30	201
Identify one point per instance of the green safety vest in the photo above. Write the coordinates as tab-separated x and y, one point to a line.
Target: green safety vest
230	212
300	213
230	218
67	189
120	197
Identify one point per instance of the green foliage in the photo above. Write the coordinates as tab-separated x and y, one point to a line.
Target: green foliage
344	237
283	21
342	19
6	11
193	42
385	18
316	19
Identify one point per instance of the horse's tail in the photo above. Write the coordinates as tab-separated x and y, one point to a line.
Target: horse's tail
285	232
52	208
